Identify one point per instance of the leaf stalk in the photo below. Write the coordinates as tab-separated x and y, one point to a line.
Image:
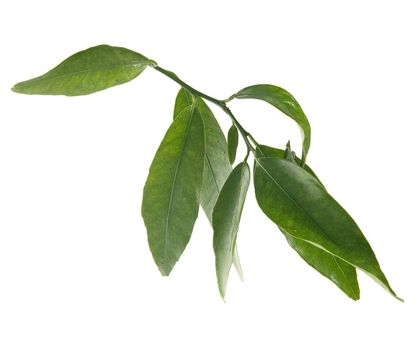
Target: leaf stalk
220	103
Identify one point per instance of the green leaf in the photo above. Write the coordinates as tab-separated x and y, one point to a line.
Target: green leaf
289	154
172	190
337	270
88	71
286	103
226	217
232	143
300	206
216	161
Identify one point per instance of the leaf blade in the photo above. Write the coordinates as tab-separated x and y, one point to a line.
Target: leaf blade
299	204
216	160
171	193
286	103
226	217
342	274
88	71
232	143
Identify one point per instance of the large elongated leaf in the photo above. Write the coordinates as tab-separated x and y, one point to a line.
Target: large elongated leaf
226	217
295	201
172	190
216	161
337	270
285	102
88	71
232	143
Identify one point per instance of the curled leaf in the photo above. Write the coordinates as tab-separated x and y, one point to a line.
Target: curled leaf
286	103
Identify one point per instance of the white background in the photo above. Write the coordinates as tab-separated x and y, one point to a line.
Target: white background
75	269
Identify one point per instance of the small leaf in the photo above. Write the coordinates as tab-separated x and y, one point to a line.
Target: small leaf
299	205
216	161
88	71
226	218
337	270
172	190
232	143
285	102
289	154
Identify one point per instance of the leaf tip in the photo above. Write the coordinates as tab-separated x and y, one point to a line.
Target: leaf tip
355	296
15	88
222	294
399	299
165	270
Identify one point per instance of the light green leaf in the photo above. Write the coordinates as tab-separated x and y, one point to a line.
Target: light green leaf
88	71
337	270
172	190
226	217
296	201
216	161
286	103
232	143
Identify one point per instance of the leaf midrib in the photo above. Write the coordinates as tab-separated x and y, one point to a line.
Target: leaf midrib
173	183
80	72
345	276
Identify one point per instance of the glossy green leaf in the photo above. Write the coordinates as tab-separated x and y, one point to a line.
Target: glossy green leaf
300	206
226	217
88	71
171	193
286	103
216	161
232	143
337	270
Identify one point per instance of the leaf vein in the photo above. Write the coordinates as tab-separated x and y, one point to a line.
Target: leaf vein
173	184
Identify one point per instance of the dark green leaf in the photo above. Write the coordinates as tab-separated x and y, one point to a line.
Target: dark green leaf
216	161
337	270
299	205
232	143
226	217
285	102
88	71
172	190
